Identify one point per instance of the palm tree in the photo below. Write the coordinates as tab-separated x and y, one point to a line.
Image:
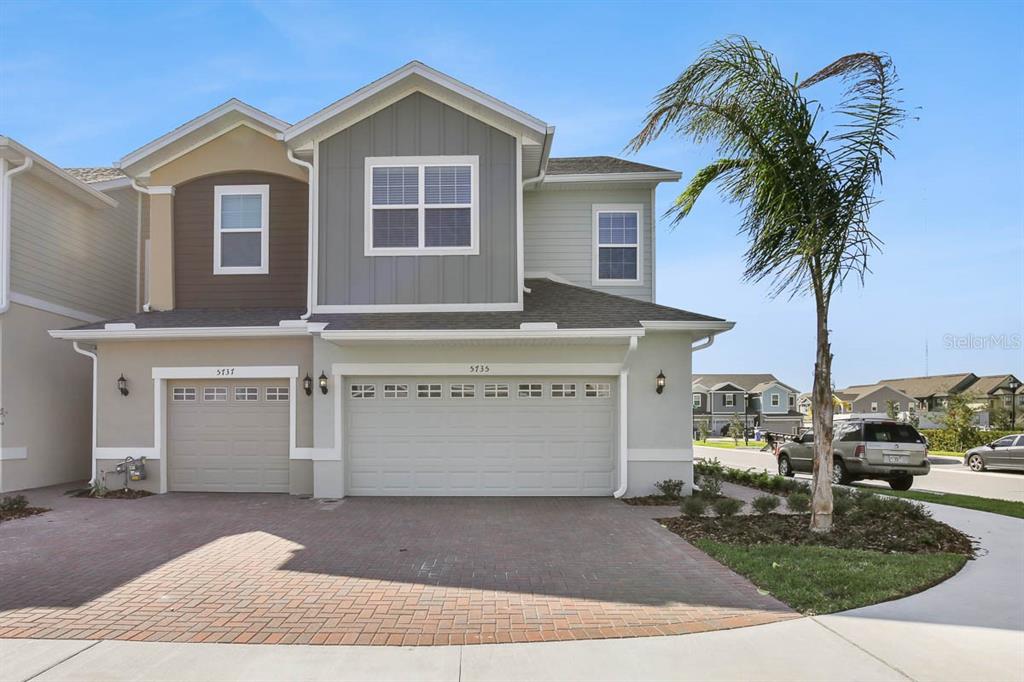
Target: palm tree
806	194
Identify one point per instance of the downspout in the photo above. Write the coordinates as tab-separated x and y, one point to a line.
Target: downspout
310	236
5	233
701	346
624	418
142	190
95	369
544	154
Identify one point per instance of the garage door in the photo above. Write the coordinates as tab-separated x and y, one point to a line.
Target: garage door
462	436
227	436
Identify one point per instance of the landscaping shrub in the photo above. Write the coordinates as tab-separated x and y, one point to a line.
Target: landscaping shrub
727	507
709	466
841	506
13	503
670	488
710	485
943	439
694	506
766	504
798	502
884	505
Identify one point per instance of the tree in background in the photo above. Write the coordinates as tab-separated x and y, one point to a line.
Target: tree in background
736	428
890	409
703	430
806	194
958	422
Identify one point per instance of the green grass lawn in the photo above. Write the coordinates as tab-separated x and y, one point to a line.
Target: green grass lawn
817	580
729	444
987	504
945	453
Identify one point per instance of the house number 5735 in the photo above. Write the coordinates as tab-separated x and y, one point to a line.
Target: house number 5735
479	369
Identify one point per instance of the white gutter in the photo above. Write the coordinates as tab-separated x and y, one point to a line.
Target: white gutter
123	334
311	236
624	418
710	339
475	334
91	354
5	231
544	154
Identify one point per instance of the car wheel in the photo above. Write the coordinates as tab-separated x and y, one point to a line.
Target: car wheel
901	483
785	468
976	463
839	473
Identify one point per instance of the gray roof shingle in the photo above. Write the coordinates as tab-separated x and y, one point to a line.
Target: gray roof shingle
98	174
570	306
590	165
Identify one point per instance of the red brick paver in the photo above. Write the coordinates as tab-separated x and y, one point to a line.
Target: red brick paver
275	569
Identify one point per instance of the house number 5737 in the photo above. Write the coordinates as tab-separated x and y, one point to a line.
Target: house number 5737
479	369
225	371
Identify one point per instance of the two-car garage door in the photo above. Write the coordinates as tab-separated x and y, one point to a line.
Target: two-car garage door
480	436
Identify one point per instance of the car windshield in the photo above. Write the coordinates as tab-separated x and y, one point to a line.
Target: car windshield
891	433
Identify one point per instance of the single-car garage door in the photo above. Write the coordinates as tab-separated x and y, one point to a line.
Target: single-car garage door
227	436
473	436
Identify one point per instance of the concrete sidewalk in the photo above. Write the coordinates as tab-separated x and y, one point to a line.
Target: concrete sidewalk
969	628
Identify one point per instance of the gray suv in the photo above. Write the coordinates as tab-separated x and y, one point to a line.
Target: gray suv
864	448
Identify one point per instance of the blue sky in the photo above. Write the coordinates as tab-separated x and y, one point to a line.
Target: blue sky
84	83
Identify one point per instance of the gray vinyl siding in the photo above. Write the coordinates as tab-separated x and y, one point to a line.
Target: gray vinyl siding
70	254
881	396
766	400
558	231
416	126
719	406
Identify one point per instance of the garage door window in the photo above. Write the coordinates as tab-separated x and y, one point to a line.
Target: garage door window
563	390
392	391
428	391
531	391
181	393
495	390
598	390
217	394
364	391
247	393
463	390
277	393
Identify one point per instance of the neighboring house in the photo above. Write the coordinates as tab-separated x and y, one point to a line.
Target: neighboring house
68	255
401	294
874	399
759	399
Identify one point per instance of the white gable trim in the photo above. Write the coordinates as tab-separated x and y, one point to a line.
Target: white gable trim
430	75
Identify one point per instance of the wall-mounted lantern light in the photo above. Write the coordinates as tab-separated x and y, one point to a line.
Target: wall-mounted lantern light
122	385
323	383
307	384
659	382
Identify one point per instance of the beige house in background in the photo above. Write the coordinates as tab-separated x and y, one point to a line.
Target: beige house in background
68	255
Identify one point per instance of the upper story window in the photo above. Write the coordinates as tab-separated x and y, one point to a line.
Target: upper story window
425	205
776	400
730	400
617	239
241	229
696	399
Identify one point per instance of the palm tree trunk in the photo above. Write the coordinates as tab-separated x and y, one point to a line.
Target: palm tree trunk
821	487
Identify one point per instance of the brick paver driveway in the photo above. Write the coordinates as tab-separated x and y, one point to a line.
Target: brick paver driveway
274	568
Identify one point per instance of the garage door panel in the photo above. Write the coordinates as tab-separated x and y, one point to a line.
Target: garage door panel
227	445
479	446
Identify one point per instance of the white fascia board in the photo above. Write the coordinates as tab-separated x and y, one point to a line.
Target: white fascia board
424	71
197	123
176	333
228	372
107	185
55	175
647	176
475	334
687	325
492	369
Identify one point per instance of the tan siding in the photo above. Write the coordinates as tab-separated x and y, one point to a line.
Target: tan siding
67	253
195	285
558	233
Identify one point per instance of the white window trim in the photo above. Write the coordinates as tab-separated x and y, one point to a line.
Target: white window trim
421	162
597	209
220	191
697	400
776	400
729	400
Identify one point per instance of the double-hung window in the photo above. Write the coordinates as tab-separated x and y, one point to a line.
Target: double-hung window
427	205
617	241
241	229
776	400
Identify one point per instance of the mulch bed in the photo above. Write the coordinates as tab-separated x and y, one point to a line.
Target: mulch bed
21	513
119	494
879	533
652	501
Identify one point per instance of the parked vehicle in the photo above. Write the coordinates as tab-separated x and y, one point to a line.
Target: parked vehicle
880	449
1004	453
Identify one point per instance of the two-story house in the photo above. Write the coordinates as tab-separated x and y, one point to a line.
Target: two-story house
68	249
758	400
402	294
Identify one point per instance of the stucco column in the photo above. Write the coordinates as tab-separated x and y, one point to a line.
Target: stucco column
161	255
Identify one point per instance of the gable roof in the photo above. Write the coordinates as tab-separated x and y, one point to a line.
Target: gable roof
747	382
416	69
923	387
587	165
987	384
60	178
96	174
206	126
